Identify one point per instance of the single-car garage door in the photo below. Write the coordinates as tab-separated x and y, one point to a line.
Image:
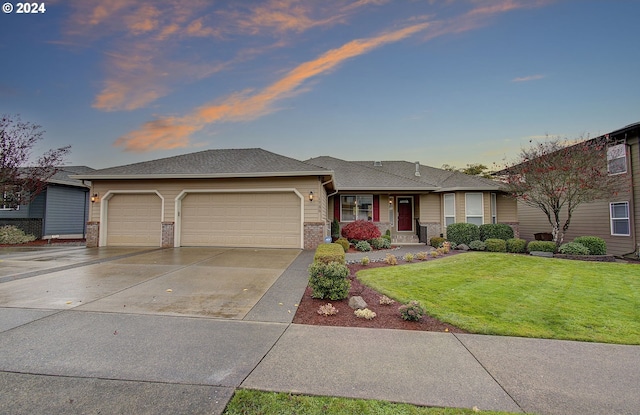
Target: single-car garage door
241	219
134	220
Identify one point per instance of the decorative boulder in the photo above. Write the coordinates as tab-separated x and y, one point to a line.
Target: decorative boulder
357	302
462	247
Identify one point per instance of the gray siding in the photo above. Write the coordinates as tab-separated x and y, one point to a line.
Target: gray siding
66	211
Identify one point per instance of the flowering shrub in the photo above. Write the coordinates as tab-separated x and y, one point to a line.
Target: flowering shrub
9	234
384	300
361	230
408	257
365	261
365	313
327	310
329	280
412	311
363	246
391	259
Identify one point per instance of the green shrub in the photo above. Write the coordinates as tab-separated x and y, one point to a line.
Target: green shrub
596	245
412	311
462	233
344	243
516	245
363	246
386	243
496	245
329	280
495	231
377	243
573	248
477	245
335	228
326	253
436	241
10	235
544	246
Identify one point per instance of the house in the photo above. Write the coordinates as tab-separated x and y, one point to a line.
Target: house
255	198
235	197
615	220
59	211
414	202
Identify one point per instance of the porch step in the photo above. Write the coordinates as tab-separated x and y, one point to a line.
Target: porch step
405	239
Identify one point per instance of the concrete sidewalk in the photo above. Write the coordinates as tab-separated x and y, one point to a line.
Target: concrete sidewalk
80	361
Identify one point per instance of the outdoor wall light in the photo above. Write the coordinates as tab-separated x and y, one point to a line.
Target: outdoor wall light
390	200
311	196
94	198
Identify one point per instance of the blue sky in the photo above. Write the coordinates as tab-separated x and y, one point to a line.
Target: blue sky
438	82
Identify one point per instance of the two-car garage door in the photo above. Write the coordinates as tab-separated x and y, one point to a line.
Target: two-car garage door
241	219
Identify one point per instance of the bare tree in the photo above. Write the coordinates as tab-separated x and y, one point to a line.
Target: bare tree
557	176
21	177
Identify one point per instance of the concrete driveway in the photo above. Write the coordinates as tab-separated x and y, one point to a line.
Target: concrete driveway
198	282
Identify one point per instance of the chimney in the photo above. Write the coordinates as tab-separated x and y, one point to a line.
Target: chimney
417	169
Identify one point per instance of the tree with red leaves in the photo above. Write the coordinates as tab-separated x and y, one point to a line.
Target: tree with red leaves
557	176
21	177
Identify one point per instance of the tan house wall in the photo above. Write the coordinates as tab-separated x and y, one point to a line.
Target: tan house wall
431	208
507	208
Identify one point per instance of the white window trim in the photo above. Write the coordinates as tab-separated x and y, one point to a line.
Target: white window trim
466	204
611	218
494	208
5	207
356	196
444	209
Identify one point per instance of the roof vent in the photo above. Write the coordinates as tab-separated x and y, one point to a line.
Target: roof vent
417	169
377	163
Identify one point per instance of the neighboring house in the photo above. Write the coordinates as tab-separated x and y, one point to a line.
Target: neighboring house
413	201
617	220
241	198
60	211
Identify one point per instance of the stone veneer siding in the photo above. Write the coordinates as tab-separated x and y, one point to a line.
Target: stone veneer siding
93	234
313	234
167	234
516	228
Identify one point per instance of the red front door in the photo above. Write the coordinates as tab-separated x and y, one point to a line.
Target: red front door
405	213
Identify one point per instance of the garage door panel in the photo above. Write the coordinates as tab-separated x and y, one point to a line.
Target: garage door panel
134	220
241	219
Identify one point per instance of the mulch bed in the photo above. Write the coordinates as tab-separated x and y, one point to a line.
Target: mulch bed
387	316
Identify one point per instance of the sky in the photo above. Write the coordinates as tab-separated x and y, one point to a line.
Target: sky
436	81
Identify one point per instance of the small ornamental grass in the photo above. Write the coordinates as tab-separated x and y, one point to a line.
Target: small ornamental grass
365	261
421	256
327	310
412	311
409	257
391	259
365	313
384	300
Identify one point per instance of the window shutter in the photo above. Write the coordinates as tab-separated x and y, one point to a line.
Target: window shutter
376	208
336	207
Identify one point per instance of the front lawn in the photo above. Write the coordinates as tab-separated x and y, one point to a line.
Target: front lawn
268	403
518	295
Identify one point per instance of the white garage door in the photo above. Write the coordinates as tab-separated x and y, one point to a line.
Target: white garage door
241	219
134	220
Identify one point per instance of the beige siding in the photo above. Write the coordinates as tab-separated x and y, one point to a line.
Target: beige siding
431	208
507	208
170	189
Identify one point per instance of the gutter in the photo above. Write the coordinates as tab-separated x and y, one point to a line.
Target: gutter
197	175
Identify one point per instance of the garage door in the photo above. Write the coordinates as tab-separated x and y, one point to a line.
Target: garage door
241	219
134	220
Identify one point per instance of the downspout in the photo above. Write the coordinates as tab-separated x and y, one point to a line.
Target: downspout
632	226
327	224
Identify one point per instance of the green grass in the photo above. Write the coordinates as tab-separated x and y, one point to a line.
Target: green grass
518	295
245	402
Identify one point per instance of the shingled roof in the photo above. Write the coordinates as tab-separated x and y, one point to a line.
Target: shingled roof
250	162
400	175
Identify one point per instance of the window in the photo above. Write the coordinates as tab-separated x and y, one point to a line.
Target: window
620	218
449	209
494	208
617	159
8	201
474	208
356	207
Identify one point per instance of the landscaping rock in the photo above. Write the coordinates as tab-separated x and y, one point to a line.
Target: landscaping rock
357	302
462	247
